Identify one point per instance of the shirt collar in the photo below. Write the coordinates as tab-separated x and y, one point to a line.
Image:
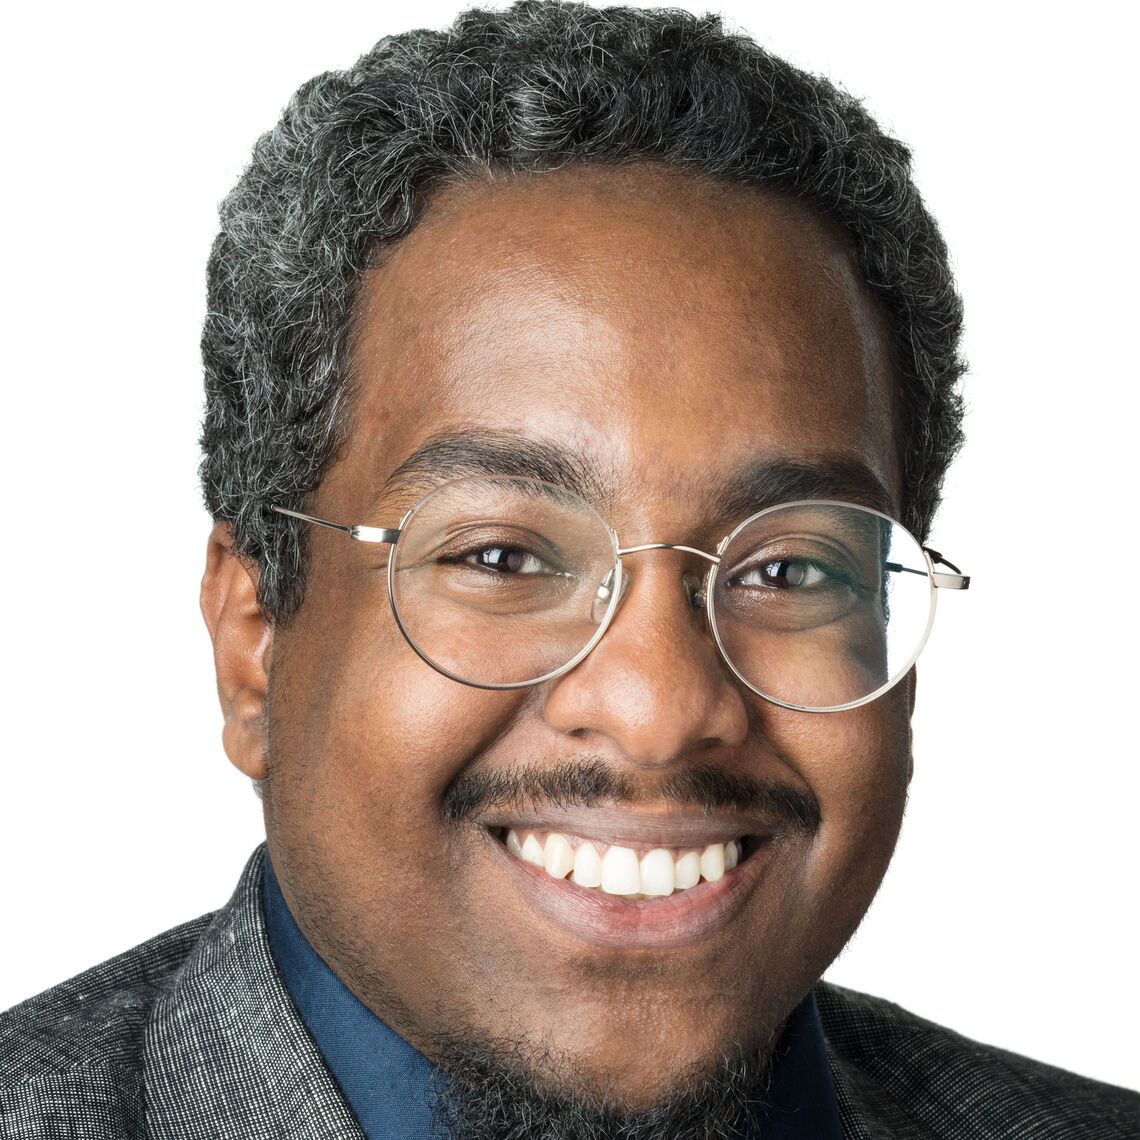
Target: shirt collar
388	1084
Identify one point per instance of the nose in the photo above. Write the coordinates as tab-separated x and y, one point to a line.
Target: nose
654	688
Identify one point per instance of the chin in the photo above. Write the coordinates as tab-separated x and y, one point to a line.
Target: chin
633	1045
503	1086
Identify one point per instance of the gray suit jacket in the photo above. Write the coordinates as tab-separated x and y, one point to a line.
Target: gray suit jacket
193	1035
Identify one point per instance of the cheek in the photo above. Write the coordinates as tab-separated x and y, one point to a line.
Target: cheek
858	765
364	736
862	753
365	742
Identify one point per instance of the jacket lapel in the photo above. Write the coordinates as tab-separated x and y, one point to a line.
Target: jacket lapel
226	1054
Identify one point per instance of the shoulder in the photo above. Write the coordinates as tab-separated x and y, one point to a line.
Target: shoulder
79	1046
915	1078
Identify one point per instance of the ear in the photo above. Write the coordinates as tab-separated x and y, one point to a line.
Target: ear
242	641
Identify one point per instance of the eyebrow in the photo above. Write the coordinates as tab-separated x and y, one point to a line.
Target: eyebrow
729	496
771	482
456	455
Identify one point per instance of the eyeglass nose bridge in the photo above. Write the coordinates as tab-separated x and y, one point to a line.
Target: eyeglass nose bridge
713	558
693	584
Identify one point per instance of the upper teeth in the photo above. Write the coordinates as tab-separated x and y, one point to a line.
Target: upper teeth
620	870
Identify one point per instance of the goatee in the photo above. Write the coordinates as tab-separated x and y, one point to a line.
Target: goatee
488	1091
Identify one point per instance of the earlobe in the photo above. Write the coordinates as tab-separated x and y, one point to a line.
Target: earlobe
242	640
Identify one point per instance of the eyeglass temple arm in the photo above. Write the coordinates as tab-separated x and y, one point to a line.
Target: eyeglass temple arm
955	581
360	533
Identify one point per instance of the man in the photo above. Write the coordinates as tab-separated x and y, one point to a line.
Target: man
565	374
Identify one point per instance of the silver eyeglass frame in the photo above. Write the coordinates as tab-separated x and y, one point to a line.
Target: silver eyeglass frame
952	580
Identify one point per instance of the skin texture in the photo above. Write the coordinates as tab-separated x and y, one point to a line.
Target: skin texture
670	332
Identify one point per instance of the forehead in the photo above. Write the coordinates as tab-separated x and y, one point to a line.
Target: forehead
660	331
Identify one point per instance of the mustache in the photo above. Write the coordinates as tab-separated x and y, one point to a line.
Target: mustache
589	781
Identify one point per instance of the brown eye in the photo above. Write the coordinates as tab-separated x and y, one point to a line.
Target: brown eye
784	574
507	560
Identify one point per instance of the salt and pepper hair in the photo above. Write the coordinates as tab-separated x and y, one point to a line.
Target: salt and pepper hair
353	161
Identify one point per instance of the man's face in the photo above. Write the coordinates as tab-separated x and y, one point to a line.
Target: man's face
667	340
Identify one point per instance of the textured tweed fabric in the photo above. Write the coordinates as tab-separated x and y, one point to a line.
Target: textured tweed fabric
900	1076
193	1035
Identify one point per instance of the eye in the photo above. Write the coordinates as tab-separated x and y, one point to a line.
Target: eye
491	554
506	560
785	574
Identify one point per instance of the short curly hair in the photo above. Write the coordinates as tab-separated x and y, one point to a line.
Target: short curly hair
348	170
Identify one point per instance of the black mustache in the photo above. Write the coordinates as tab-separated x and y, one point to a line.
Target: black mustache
590	781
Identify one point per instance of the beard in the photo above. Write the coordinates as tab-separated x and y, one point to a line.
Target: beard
493	1091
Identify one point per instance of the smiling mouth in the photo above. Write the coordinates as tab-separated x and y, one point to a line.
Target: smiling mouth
635	879
627	872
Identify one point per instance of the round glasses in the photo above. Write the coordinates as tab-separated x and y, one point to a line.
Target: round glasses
503	582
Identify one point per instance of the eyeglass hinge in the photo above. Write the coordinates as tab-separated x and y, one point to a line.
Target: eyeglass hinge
374	534
955	581
951	581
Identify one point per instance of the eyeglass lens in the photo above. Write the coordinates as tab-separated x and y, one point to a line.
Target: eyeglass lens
819	605
506	581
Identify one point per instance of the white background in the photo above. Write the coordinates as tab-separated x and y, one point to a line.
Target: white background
1010	911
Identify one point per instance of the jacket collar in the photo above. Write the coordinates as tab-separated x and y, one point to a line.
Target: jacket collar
226	1053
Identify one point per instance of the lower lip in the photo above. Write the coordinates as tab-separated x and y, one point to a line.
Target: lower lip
680	919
